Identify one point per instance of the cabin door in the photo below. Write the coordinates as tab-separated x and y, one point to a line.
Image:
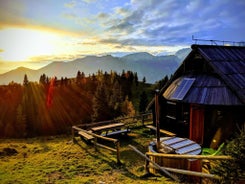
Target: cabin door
196	123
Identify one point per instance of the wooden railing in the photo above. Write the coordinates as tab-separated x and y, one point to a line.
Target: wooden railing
129	121
95	142
166	170
142	118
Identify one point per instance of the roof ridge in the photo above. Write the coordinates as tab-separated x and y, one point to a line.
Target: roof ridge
194	46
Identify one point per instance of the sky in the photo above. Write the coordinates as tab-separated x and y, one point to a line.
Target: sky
34	33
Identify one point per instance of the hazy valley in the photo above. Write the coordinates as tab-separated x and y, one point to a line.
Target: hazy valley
153	68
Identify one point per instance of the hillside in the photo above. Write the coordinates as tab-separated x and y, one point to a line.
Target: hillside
154	68
58	160
51	106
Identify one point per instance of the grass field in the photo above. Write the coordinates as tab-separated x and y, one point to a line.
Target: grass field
58	160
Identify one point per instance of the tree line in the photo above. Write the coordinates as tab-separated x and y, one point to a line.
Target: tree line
51	106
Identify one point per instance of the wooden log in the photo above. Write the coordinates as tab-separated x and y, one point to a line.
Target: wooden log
118	152
176	156
156	165
95	135
73	135
179	171
147	164
171	134
106	147
95	143
142	120
190	173
85	135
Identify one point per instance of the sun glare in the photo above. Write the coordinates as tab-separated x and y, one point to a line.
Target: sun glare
22	44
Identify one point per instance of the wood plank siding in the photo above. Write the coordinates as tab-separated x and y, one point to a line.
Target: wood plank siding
196	124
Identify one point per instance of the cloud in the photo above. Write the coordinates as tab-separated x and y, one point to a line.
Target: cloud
46	16
121	11
89	1
102	16
129	24
174	22
70	16
123	27
71	4
11	13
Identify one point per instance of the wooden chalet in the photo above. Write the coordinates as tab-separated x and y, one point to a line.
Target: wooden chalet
205	99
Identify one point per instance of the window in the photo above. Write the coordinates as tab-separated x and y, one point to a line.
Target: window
171	111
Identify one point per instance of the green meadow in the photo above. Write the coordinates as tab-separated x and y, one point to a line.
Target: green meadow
56	159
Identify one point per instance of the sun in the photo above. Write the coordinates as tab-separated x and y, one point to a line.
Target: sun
19	44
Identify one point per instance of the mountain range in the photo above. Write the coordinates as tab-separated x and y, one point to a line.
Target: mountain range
153	68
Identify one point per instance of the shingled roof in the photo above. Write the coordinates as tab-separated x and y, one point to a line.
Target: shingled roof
222	84
229	64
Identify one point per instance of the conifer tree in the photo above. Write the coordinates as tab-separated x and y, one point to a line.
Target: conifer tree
162	82
143	101
20	122
100	105
25	81
115	99
136	79
78	77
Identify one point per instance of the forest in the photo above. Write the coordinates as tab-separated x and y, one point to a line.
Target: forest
52	106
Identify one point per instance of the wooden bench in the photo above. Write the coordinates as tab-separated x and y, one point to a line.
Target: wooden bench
116	132
171	134
86	136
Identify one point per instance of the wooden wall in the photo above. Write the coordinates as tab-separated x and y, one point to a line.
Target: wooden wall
196	123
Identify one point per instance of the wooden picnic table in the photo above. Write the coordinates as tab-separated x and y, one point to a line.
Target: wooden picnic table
107	127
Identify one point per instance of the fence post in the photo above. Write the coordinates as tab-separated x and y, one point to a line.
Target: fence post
147	168
143	119
154	164
118	152
95	143
73	135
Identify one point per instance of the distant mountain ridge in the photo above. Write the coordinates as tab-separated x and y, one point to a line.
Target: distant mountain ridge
154	68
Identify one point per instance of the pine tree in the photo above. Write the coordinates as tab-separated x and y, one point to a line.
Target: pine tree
61	81
25	81
20	122
78	77
162	82
29	110
100	105
136	79
143	101
115	99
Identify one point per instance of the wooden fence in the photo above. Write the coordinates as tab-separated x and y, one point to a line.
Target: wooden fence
166	170
131	121
94	141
